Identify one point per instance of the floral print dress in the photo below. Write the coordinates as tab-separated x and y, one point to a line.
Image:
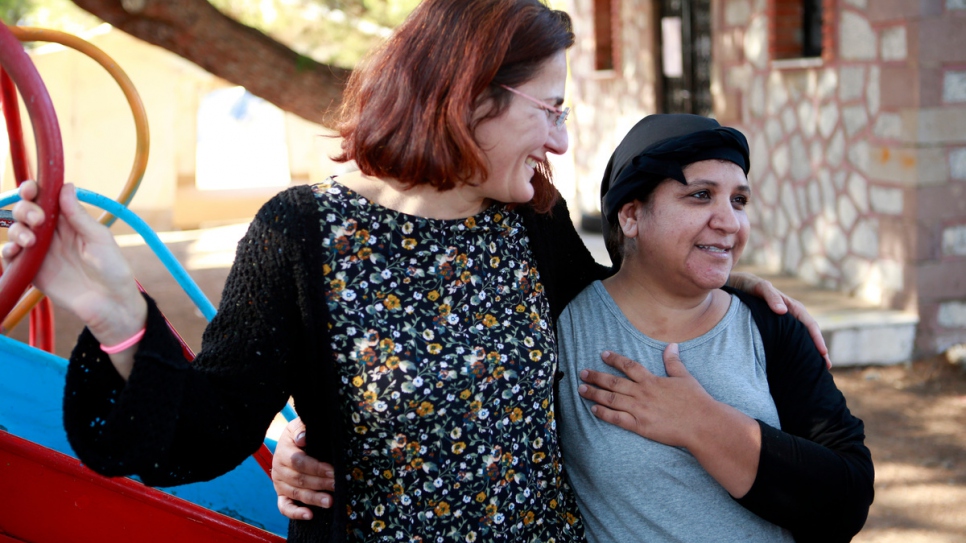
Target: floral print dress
447	356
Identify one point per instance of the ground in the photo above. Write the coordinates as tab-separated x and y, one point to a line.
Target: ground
915	414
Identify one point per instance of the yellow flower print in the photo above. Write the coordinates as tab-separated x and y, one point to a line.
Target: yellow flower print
361	430
536	355
378	526
466	276
387	345
364	253
416	463
357	474
494	261
392	302
433	295
475	405
434	348
392	362
362	236
442	509
490	510
498	372
465	395
326	269
489	321
521	308
538	457
516	414
425	408
528	518
470	222
481	497
444	309
369	396
338	285
553	503
497	218
358	381
459	447
386	474
409	244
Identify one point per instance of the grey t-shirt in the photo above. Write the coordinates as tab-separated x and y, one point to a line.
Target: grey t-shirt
630	488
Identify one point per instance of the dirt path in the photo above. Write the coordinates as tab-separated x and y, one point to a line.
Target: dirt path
915	414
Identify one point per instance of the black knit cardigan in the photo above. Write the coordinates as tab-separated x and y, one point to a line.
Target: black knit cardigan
174	423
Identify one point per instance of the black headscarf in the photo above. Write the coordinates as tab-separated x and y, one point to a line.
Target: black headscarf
659	147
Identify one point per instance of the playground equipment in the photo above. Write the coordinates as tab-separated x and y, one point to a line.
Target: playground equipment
46	495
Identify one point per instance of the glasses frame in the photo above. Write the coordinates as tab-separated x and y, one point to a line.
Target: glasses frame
561	113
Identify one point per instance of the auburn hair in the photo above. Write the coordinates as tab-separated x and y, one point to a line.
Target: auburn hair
408	111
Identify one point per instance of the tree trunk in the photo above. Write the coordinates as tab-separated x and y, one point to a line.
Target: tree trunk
195	30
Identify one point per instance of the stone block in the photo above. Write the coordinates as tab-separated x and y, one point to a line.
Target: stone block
864	241
942	281
756	98
851	82
792	256
836	244
892	10
859	155
942	40
954	241
872	344
900	80
888	126
738	77
789	204
858	189
780	161
954	86
828	117
855	119
855	271
943	125
801	167
873	91
774	132
888	201
737	13
893	43
827	82
755	42
952	315
777	94
895	164
767	190
933	166
759	152
836	149
941	204
828	191
807	119
789	122
957	163
857	40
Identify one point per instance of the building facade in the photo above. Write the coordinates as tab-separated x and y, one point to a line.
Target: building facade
856	115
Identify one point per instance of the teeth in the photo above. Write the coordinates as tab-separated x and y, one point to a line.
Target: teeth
713	249
532	162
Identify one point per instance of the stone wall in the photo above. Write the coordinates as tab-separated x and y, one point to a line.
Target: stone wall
859	157
608	103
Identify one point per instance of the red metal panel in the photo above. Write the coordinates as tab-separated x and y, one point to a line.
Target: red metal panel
48	497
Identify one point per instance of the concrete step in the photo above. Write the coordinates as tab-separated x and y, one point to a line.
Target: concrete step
857	333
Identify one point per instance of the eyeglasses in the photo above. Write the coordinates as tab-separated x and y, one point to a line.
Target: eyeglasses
556	115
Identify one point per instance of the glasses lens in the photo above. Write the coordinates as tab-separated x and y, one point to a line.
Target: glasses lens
561	117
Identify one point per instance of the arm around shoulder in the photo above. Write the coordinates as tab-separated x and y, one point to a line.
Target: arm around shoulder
815	475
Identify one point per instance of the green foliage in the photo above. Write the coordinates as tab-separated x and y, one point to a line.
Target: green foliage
337	32
55	14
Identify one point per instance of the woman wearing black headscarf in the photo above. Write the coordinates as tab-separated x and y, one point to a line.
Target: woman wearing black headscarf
736	429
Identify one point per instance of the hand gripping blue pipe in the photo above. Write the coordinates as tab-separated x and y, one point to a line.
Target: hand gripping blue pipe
164	254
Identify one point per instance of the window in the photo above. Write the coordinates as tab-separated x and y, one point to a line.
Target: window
605	52
800	28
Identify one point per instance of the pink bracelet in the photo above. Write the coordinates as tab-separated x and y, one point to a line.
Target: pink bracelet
127	343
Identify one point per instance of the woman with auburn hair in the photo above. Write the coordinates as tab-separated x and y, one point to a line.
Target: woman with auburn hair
408	308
